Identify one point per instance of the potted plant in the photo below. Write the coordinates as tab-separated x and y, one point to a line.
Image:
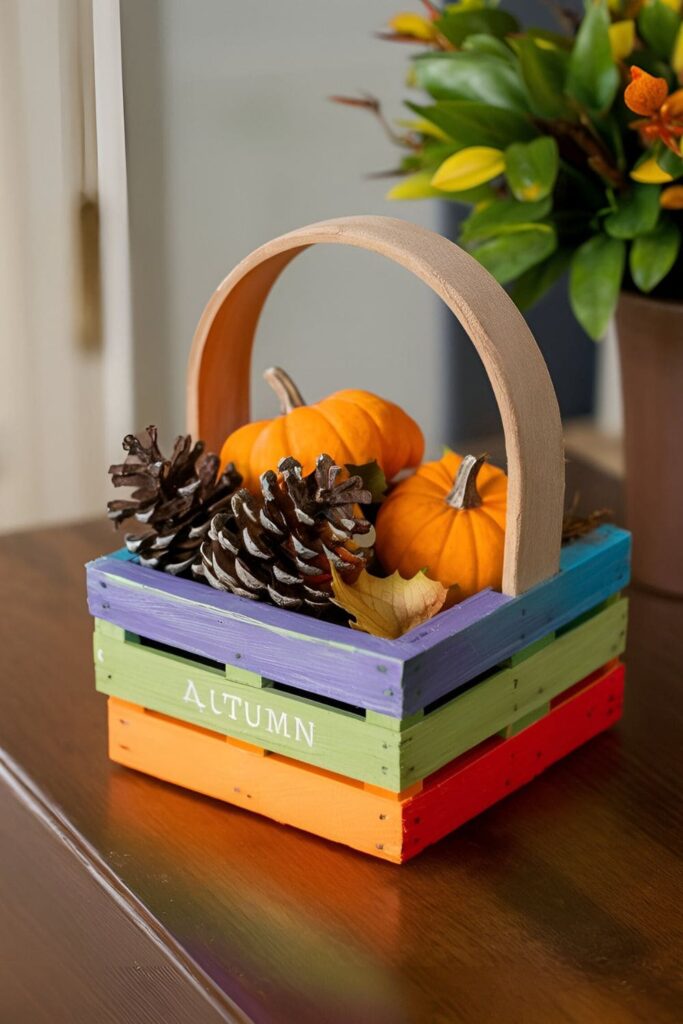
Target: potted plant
566	147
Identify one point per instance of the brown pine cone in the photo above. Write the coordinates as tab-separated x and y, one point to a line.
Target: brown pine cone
176	498
278	545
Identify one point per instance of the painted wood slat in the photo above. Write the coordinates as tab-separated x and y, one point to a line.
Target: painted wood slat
192	617
592	570
392	677
301	728
371	750
342	810
499	767
515	692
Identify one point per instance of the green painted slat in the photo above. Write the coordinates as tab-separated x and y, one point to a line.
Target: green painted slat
522	723
235	674
526	652
515	692
395	724
299	727
109	629
370	748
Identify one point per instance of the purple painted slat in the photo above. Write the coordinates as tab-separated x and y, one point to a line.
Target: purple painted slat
259	612
357	677
397	677
454	620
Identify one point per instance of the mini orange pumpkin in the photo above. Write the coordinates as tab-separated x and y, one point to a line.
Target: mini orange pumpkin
352	426
448	518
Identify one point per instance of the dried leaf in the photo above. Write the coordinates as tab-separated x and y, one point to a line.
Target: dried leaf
388	607
575	525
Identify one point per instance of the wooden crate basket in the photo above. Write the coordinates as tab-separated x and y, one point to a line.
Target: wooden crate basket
405	728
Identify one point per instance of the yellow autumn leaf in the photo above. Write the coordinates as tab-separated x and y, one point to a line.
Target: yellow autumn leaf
410	24
417	186
388	607
677	52
673	4
424	127
650	173
468	168
622	38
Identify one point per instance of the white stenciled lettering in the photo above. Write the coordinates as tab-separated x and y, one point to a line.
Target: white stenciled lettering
300	730
191	695
250	713
254	725
235	701
277	725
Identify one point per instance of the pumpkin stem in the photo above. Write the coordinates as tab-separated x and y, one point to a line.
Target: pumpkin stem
285	389
464	493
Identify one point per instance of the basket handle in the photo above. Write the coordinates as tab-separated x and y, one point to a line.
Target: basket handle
219	368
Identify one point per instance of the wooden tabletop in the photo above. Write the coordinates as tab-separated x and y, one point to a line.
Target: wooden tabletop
125	899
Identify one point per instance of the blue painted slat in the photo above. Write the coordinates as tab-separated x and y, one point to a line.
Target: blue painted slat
123	555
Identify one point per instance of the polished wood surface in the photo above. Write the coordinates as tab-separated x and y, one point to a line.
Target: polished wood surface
70	950
559	904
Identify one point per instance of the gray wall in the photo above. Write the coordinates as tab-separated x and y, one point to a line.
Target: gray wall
230	141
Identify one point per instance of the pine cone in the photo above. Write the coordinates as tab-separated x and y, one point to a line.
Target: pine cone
176	497
278	545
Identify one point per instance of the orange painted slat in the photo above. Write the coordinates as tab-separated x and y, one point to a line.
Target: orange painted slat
308	798
343	810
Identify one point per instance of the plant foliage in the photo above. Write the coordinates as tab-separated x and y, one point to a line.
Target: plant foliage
566	145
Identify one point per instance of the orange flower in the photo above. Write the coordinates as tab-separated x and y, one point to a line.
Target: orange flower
662	113
672	198
645	93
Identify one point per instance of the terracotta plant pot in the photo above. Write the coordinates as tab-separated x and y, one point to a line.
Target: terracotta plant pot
651	349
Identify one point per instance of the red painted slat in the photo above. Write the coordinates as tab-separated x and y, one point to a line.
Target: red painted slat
496	768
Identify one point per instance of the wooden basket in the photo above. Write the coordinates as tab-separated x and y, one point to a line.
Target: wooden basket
383	745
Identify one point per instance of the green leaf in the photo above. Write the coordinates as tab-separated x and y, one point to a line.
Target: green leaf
544	73
531	168
669	162
470	196
593	78
489	45
536	281
511	254
469	123
636	212
471	76
457	25
373	479
653	255
501	213
597	268
658	26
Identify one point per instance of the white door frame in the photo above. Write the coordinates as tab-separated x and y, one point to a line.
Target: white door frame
118	366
